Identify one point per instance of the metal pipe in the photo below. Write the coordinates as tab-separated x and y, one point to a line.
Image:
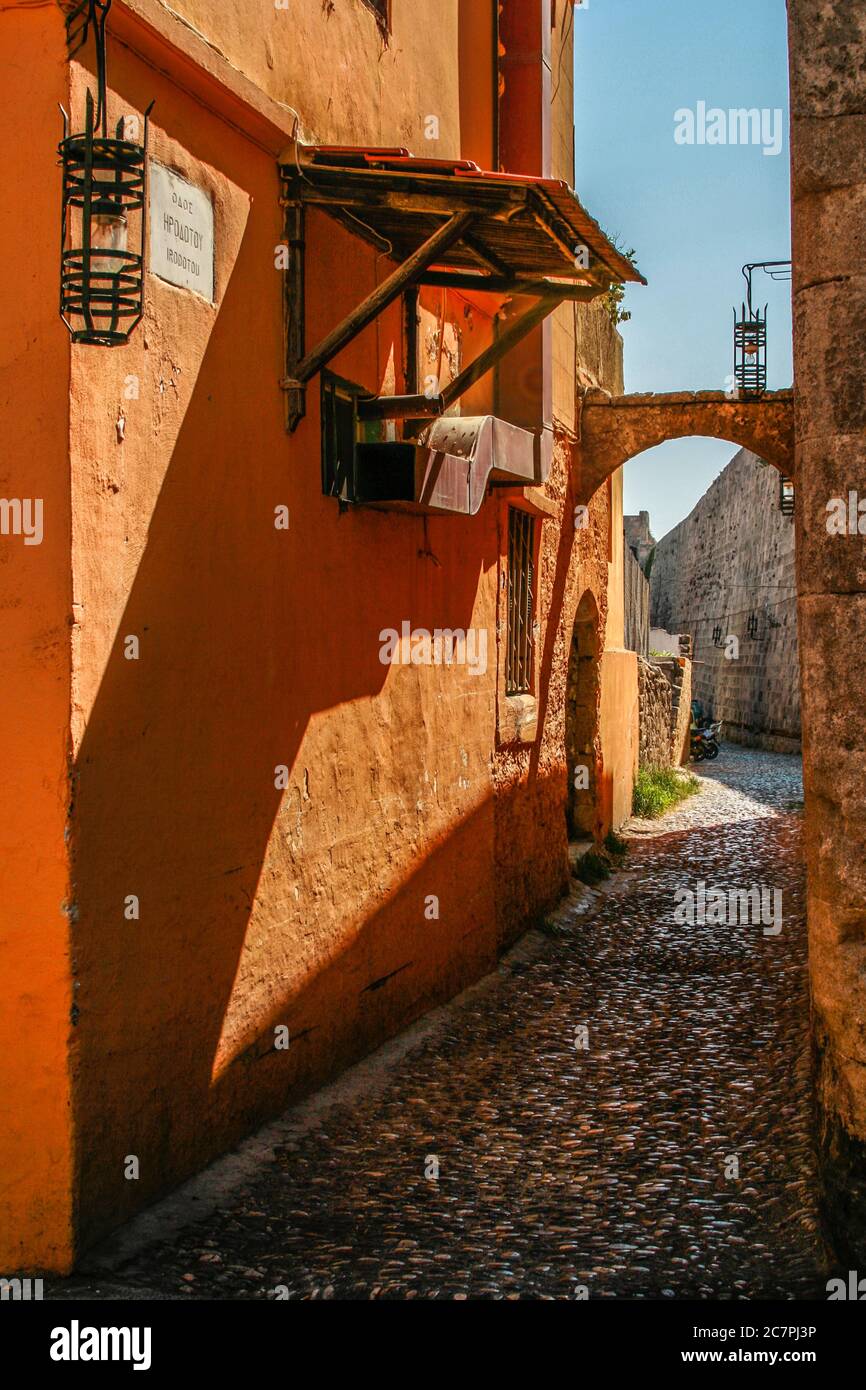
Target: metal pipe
399	407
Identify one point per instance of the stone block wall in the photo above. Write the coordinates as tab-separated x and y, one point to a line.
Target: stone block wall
682	722
725	572
665	692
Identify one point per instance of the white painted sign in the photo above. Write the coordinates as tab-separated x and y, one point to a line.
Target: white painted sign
181	232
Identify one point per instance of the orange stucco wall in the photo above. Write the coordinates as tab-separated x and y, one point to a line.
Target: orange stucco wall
258	648
36	1177
349	84
618	727
618	719
258	905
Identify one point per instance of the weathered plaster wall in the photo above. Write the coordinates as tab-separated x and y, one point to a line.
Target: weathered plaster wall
828	101
732	559
349	84
36	1156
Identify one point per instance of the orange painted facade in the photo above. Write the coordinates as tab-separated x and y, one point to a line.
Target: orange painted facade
283	808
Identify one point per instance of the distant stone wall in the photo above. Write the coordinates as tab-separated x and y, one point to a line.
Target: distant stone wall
728	571
639	537
637	605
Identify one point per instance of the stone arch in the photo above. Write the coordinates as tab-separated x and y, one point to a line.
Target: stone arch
583	703
615	428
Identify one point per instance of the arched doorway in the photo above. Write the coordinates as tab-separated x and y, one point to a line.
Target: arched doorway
583	700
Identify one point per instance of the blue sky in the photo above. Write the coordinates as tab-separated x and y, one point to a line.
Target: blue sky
694	214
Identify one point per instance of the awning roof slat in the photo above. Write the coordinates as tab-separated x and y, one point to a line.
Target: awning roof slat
525	225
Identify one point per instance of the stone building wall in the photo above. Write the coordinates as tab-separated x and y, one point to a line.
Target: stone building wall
725	572
682	675
656	705
637	605
665	692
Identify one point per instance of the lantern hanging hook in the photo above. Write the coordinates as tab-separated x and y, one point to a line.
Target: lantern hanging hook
81	17
777	270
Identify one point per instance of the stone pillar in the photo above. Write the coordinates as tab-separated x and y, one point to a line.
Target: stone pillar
828	109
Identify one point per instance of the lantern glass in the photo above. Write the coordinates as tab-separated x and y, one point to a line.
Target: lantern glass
101	289
750	351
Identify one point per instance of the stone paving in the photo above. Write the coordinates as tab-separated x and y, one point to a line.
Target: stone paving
563	1168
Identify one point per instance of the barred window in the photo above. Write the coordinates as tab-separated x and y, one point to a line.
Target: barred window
338	436
521	597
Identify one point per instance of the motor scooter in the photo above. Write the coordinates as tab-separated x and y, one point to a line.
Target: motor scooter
705	742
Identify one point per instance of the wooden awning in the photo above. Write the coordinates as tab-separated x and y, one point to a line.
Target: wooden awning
524	229
445	223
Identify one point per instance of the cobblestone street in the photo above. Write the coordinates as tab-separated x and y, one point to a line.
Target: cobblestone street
559	1166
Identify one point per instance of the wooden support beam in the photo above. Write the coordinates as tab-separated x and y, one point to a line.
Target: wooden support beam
486	257
406	274
294	311
357	227
510	285
410	341
514	334
427	204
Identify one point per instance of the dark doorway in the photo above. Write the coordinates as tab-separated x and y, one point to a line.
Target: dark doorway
583	698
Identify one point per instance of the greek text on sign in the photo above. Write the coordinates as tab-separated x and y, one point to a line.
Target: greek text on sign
181	232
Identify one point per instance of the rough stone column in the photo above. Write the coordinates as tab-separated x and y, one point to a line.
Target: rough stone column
828	108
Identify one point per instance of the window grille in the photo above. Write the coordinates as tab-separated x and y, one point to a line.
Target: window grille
339	431
521	597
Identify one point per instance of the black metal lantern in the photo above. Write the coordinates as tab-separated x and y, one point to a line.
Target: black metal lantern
750	351
750	332
786	496
104	183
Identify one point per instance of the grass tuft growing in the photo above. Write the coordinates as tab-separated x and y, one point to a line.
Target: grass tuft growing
657	789
615	844
591	868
